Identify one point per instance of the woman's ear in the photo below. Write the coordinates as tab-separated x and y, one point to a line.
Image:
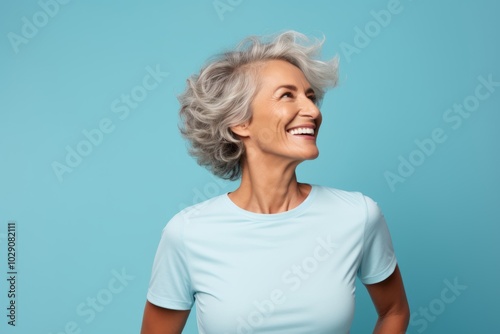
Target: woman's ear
240	130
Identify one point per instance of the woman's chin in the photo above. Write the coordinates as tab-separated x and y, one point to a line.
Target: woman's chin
310	155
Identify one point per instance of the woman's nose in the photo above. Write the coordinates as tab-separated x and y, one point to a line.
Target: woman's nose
308	108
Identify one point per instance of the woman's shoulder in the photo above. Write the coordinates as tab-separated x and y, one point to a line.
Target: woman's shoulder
193	213
350	200
353	197
209	206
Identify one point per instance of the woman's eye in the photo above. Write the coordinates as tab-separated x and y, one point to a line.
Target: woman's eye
313	98
287	94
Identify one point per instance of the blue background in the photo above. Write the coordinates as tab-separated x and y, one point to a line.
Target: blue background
76	232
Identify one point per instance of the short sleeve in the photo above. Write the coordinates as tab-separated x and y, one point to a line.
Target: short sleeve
378	259
170	284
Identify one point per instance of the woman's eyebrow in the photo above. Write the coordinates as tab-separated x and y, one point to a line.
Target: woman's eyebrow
294	88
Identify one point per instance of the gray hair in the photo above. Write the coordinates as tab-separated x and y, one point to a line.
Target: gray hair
220	96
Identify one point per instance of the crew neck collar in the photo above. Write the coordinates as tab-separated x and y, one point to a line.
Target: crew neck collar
273	216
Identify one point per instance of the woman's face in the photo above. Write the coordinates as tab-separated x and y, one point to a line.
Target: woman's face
285	120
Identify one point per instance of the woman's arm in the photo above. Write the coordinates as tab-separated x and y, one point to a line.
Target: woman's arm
158	320
390	301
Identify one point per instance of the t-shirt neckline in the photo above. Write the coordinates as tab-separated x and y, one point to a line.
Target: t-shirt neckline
273	216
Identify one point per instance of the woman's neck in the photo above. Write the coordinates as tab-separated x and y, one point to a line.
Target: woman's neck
267	189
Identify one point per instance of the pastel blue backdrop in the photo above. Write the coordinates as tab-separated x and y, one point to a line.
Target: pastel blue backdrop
413	124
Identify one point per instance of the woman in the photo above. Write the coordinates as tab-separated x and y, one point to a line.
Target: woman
275	255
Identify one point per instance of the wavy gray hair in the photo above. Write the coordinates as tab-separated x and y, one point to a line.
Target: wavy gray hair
220	96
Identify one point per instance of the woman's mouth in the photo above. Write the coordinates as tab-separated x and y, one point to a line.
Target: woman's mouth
302	132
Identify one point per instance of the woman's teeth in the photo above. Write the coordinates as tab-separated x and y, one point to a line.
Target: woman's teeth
302	131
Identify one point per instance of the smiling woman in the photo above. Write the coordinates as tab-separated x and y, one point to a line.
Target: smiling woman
274	255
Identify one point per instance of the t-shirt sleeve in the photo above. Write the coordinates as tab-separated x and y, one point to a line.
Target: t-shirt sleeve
378	259
170	284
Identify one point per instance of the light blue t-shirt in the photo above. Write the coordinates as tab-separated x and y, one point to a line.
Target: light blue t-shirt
285	273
